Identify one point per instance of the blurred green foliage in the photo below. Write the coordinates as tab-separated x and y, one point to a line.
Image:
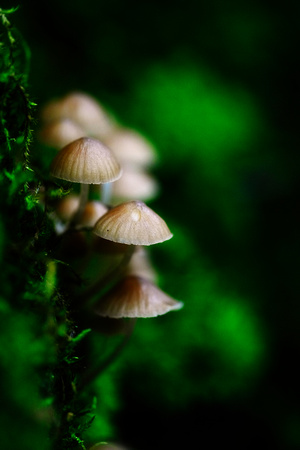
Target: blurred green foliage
216	349
188	106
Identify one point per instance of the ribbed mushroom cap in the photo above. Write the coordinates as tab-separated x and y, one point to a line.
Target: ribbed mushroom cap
130	147
135	297
86	161
132	223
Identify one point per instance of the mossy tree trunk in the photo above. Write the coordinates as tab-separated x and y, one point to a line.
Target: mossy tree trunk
40	348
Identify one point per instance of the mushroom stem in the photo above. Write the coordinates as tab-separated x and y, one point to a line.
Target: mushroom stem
83	198
91	374
106	191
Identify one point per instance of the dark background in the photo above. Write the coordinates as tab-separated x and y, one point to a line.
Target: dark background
213	86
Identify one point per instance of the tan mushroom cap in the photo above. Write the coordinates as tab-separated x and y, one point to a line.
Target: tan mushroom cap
135	297
67	207
87	161
93	210
130	147
82	109
132	223
134	183
61	132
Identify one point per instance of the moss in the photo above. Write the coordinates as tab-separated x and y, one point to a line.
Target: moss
41	346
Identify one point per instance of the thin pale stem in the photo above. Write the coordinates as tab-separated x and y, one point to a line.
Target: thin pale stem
106	192
83	198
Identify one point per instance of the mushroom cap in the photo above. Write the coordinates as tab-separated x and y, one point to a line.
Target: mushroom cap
60	132
132	223
82	109
134	183
130	147
135	297
93	210
67	207
86	160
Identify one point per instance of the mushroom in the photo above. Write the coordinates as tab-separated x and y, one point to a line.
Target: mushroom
134	183
60	132
93	210
135	154
64	211
132	223
82	109
135	297
131	148
86	161
66	207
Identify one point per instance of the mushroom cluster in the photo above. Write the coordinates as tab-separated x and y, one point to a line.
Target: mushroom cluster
107	228
78	115
95	194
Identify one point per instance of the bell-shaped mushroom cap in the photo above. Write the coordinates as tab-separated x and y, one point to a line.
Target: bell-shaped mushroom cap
131	148
82	109
132	223
134	183
86	161
92	212
67	207
135	297
61	132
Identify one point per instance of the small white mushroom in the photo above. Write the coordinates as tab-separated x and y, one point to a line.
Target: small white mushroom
132	223
59	133
131	148
82	109
135	297
86	161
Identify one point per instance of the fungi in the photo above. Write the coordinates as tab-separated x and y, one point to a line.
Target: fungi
135	297
59	133
132	223
82	109
86	161
131	148
134	183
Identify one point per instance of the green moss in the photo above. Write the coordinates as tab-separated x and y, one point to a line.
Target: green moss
39	360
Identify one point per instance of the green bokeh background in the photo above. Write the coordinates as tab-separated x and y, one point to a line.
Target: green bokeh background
212	86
